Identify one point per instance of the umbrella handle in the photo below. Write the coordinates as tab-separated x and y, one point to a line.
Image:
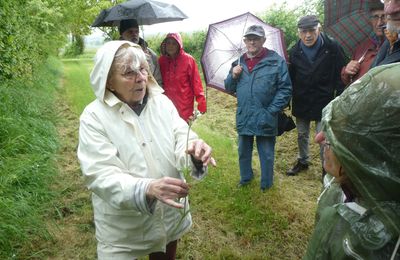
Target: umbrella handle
362	58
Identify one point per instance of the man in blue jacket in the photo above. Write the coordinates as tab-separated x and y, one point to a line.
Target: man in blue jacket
262	85
315	63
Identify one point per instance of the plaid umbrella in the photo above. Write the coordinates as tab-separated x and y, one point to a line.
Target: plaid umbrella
348	22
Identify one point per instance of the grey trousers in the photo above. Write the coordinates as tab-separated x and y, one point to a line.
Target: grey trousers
303	136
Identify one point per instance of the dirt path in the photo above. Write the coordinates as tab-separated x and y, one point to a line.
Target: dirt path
71	225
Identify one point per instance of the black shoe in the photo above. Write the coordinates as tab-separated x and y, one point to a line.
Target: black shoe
264	189
297	168
242	184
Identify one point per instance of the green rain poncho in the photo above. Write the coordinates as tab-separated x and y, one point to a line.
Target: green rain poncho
363	127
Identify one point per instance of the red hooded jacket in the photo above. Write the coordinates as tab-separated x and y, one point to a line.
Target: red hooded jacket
181	79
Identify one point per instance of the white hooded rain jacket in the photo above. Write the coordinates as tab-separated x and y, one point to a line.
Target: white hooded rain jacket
120	153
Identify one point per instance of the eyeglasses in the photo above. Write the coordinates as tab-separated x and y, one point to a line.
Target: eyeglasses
376	17
252	39
132	74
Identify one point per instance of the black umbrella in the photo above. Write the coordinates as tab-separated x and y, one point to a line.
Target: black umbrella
146	12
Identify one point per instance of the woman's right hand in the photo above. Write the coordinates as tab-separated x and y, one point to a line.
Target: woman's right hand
167	190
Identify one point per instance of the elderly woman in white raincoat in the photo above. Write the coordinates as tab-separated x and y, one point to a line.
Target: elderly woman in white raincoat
132	150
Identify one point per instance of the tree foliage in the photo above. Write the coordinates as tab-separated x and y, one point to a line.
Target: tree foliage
28	34
31	30
111	33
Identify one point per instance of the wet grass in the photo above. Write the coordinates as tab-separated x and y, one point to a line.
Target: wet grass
28	142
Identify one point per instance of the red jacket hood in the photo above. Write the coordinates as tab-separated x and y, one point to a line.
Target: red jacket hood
175	36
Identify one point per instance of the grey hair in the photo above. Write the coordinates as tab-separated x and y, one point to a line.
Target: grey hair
128	57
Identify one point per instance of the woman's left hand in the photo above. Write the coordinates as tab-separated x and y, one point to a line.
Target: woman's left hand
201	151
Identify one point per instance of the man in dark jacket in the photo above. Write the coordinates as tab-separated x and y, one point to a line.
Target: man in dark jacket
315	64
390	50
262	85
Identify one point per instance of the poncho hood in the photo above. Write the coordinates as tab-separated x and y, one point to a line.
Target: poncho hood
363	127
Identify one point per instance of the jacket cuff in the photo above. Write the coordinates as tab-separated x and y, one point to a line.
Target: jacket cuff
199	171
140	200
201	106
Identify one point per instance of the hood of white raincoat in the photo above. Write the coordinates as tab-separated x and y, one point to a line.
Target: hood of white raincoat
363	127
102	64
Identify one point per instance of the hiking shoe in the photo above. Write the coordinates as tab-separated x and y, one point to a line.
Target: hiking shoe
297	168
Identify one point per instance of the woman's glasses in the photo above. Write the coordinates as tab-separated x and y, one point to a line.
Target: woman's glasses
132	74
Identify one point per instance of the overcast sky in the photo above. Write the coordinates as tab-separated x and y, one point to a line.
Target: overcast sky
201	13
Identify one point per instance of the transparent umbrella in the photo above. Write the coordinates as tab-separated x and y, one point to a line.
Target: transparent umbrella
224	44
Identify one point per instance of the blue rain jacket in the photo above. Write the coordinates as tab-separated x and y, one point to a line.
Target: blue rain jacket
260	94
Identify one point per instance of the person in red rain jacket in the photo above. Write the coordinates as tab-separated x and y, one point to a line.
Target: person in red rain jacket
181	77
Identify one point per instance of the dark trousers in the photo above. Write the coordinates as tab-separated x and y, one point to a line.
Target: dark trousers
170	254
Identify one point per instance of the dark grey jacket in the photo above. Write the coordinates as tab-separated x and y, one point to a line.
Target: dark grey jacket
315	84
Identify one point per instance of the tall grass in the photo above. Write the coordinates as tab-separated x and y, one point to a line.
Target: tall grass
28	142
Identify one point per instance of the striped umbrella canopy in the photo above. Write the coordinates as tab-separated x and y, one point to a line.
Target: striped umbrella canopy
348	22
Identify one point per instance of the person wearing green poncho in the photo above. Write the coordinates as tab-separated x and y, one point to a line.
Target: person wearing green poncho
361	136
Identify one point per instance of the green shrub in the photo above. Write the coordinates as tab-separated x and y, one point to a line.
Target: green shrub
29	33
75	48
193	43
